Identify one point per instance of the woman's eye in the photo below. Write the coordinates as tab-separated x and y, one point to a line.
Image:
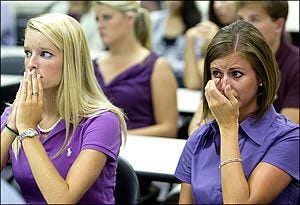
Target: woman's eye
27	53
107	17
217	74
46	54
237	74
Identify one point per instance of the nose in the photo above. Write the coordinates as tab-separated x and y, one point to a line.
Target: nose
222	83
32	62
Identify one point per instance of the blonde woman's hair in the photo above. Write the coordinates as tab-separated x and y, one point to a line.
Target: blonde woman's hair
142	23
79	94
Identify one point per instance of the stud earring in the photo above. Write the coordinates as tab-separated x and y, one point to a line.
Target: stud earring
260	84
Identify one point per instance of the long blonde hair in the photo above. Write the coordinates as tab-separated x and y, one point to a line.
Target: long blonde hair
79	94
142	23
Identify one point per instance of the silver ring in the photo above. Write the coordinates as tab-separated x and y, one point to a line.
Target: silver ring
35	94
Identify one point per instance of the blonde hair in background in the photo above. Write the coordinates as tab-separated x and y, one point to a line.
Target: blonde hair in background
142	23
79	94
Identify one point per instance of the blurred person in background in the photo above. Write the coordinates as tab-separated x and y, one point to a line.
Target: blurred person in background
8	25
169	26
151	5
269	17
131	74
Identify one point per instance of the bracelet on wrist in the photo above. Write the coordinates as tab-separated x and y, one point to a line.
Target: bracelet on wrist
230	161
11	130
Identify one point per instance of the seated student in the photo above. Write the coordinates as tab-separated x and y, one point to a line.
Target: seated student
169	26
130	74
249	153
220	14
62	134
270	17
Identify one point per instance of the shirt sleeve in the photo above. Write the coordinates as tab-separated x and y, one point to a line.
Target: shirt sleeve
4	116
284	153
104	134
184	167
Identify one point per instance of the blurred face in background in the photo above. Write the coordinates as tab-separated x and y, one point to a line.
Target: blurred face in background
113	25
256	15
174	6
225	11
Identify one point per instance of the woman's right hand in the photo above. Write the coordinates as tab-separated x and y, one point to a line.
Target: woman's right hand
12	118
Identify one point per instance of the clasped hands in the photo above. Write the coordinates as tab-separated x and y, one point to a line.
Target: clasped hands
27	106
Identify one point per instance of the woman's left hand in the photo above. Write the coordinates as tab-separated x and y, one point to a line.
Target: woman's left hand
224	107
30	103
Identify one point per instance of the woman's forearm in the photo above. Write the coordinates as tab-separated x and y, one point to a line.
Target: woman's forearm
7	139
190	74
50	182
235	187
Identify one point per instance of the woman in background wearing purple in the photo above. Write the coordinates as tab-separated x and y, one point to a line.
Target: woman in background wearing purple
61	134
130	74
249	153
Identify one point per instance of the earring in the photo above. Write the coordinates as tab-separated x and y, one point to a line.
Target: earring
260	84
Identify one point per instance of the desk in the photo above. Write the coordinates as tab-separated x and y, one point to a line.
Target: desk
7	80
188	100
153	157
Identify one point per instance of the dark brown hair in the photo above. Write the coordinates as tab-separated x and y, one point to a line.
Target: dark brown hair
245	39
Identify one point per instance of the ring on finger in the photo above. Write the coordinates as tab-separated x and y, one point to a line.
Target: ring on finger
35	94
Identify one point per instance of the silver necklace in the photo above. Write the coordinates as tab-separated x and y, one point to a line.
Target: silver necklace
50	128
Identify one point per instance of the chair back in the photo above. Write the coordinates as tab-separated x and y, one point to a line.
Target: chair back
127	185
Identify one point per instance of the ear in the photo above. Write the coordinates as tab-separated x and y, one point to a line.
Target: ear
280	25
131	16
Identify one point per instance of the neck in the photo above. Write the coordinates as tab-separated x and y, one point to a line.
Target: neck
275	45
49	104
124	47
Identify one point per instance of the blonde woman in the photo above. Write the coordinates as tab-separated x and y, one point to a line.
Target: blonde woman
61	133
131	75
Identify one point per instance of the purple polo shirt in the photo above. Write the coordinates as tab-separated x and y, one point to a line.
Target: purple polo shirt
273	139
287	58
101	133
131	91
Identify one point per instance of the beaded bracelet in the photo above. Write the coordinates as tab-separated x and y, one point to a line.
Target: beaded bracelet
229	161
11	130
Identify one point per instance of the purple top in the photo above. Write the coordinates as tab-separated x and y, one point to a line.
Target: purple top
273	139
287	58
131	91
101	133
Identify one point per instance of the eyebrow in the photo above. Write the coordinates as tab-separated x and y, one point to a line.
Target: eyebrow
41	48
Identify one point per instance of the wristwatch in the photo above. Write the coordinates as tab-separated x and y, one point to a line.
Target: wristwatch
27	133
